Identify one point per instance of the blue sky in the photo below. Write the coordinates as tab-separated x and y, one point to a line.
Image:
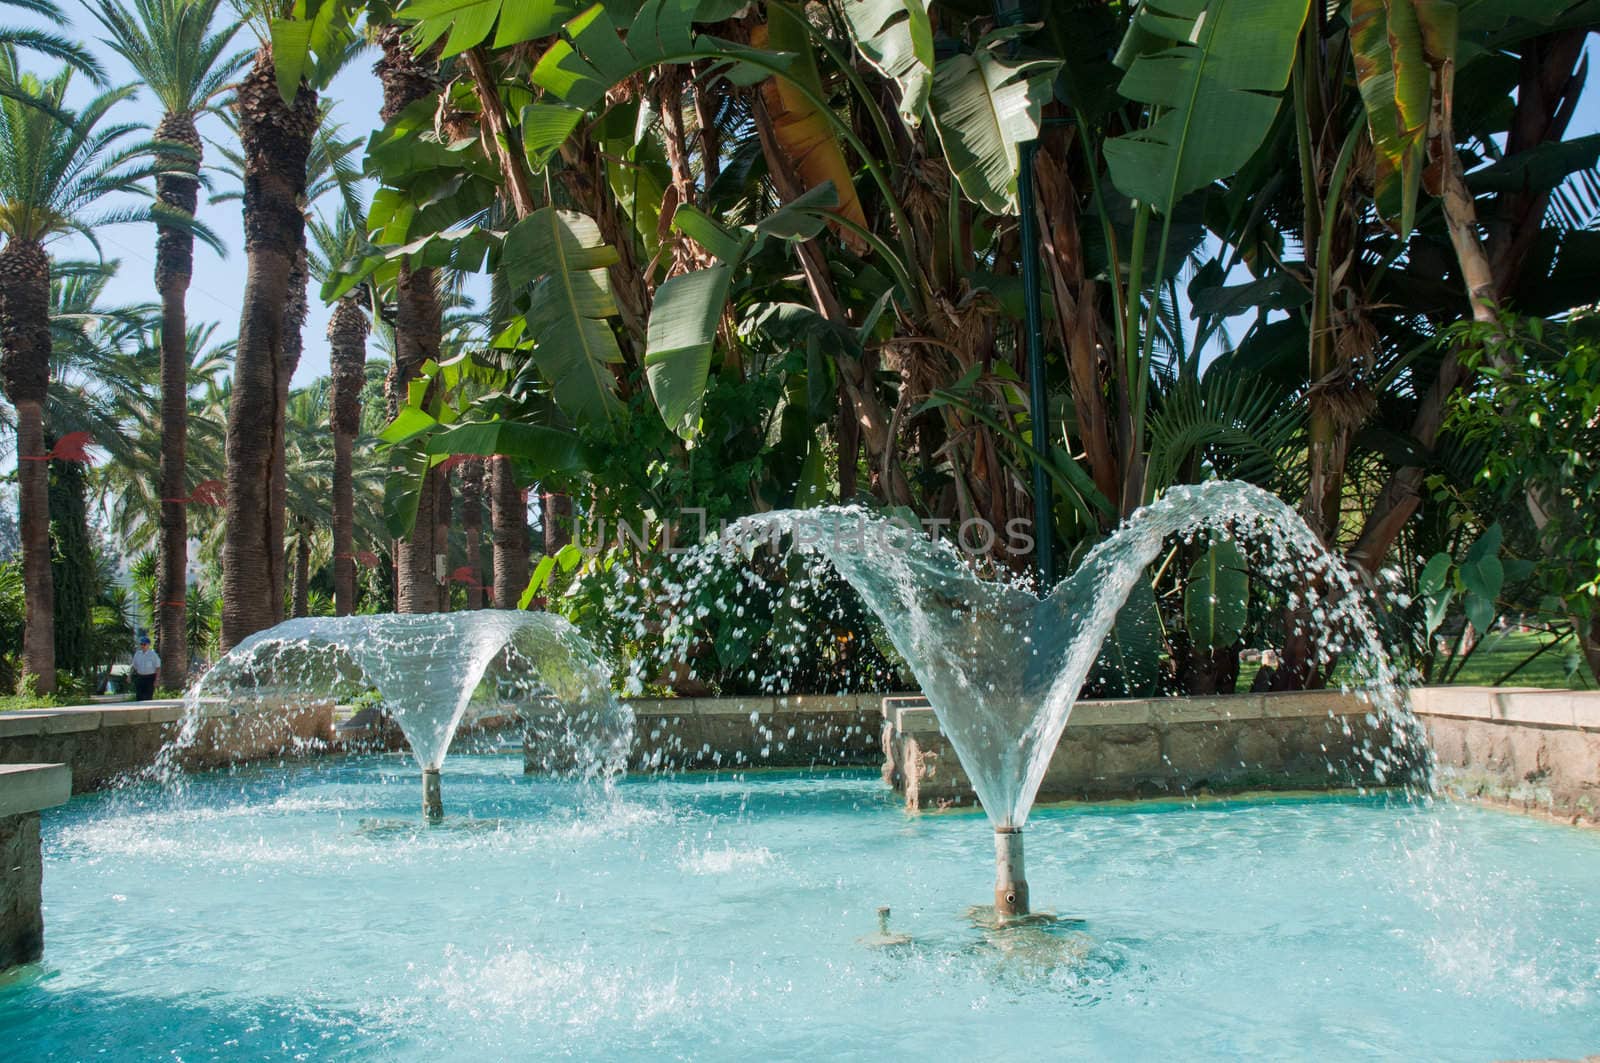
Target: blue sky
219	281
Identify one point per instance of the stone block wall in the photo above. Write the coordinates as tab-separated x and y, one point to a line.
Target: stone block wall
103	744
1531	750
1162	747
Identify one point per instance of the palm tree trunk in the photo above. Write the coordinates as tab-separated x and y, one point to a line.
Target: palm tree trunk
302	572
418	325
441	539
174	267
25	365
294	323
347	341
276	138
471	495
508	518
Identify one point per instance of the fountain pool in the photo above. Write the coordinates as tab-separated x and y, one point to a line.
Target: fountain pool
306	913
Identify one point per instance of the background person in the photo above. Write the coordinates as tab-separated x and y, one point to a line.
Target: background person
146	663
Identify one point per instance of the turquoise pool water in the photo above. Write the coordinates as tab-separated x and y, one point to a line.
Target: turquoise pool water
302	913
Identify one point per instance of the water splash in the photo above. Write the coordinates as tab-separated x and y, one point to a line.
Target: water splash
433	672
1002	668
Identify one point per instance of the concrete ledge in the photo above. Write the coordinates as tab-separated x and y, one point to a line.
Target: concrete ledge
24	790
31	787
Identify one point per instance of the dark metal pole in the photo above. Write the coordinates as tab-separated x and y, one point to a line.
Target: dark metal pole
1033	312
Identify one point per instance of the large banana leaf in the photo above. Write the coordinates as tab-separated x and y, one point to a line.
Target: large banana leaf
465	24
562	254
896	37
682	331
1210	72
1216	597
1396	44
985	106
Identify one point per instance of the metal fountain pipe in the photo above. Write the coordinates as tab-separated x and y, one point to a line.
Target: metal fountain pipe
1010	876
432	801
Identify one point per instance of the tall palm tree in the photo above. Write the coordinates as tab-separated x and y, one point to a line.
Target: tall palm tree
185	64
347	342
418	327
275	135
52	174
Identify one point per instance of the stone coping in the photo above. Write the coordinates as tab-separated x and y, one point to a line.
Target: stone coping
1529	706
913	715
1519	705
30	787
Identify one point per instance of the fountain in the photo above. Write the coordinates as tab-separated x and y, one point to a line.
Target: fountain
435	672
1002	668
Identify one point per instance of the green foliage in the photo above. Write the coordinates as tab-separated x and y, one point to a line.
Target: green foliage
1216	597
985	106
1535	416
563	256
896	37
1210	72
1397	46
72	568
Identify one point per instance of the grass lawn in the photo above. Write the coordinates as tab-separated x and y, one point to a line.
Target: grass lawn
1502	651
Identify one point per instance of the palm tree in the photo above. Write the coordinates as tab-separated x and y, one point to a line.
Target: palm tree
46	43
347	341
51	174
275	136
309	489
171	46
418	325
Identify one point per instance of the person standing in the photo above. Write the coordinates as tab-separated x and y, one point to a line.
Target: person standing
146	663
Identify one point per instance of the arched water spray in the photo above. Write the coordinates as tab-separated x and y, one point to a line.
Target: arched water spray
433	671
1003	668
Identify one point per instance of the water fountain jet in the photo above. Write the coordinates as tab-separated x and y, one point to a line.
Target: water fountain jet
434	672
1002	668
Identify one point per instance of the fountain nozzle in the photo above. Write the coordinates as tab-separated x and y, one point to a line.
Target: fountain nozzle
432	801
1010	877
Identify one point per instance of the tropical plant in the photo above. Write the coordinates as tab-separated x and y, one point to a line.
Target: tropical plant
55	175
185	64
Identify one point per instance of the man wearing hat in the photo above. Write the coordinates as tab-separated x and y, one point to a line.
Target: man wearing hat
146	663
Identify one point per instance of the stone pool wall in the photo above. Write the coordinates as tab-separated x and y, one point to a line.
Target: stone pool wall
1161	747
1527	749
104	743
1535	750
812	730
24	790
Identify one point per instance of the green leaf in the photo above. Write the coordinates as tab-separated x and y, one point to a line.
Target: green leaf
984	107
528	20
1210	73
1216	597
467	22
1435	574
547	449
409	422
567	306
682	331
1130	656
709	233
896	37
402	488
545	127
291	54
